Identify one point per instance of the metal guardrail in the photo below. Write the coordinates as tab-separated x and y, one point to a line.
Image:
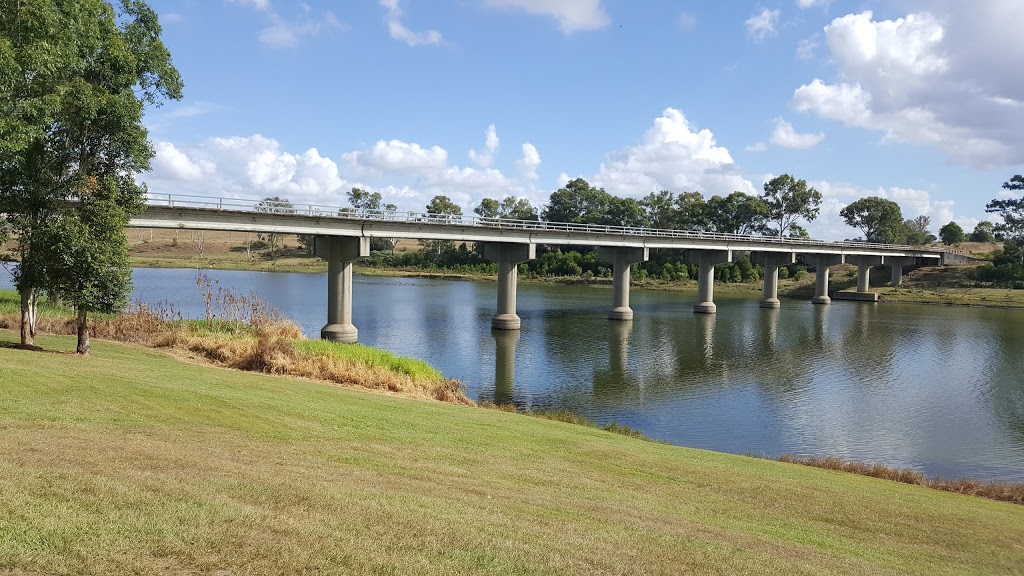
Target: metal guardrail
272	207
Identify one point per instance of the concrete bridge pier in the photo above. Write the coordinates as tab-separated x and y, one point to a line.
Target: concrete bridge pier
897	263
504	365
340	252
864	266
509	256
706	261
821	264
771	261
621	259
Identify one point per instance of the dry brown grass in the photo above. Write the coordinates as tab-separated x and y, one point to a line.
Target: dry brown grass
1002	491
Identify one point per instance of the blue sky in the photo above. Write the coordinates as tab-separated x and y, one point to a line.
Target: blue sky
918	101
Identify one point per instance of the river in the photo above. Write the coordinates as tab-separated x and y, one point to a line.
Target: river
938	389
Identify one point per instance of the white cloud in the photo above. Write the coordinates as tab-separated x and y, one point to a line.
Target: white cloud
398	157
913	203
529	163
763	25
806	48
175	164
486	157
672	156
804	4
285	33
398	30
572	15
938	78
786	136
758	147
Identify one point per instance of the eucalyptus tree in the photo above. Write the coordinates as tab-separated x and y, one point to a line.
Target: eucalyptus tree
75	79
880	219
737	213
1011	210
789	200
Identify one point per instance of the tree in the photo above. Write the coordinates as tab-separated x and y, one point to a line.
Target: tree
441	206
625	212
510	208
880	219
75	78
578	203
917	233
274	205
1010	209
737	213
365	204
488	208
789	200
661	210
984	231
951	233
691	212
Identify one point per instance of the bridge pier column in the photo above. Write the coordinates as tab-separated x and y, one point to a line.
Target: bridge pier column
864	265
771	261
897	263
821	264
340	252
706	261
508	256
621	258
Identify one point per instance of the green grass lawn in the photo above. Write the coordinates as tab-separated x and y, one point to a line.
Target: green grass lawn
131	461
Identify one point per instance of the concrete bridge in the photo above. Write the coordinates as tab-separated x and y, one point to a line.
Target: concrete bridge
343	236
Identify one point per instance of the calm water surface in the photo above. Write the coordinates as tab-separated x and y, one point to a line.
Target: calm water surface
939	389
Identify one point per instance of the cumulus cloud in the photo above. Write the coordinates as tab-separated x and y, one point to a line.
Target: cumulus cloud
786	136
486	157
572	15
913	203
398	30
398	157
937	78
529	163
762	25
758	147
672	156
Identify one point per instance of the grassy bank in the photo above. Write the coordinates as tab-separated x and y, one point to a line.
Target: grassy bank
131	461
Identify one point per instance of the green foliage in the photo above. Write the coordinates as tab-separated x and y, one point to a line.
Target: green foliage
443	206
917	233
1011	210
274	205
1007	268
984	231
951	233
788	200
691	211
578	203
880	219
373	358
737	213
510	208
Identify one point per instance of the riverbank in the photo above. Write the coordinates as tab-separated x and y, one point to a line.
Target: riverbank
295	476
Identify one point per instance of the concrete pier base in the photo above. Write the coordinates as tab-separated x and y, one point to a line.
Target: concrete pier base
821	264
771	262
508	256
340	252
706	261
621	259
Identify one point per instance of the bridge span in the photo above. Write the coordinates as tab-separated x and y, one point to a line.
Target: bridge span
343	236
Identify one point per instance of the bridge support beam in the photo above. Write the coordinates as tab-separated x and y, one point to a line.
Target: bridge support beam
821	264
508	256
897	263
340	252
706	261
771	261
621	259
864	266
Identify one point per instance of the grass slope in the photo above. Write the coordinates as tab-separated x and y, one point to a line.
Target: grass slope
133	462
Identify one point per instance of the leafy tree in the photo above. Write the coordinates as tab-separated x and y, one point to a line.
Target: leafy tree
627	212
789	200
275	205
488	208
441	206
880	219
737	213
578	203
1011	210
75	78
797	231
510	208
365	204
916	231
951	233
691	211
984	231
661	210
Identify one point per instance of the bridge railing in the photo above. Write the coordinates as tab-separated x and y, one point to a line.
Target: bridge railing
284	207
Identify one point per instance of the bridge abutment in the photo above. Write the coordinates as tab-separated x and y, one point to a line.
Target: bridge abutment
508	257
706	262
621	259
340	252
821	264
772	261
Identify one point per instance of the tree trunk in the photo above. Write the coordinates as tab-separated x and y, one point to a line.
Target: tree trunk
28	317
83	331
